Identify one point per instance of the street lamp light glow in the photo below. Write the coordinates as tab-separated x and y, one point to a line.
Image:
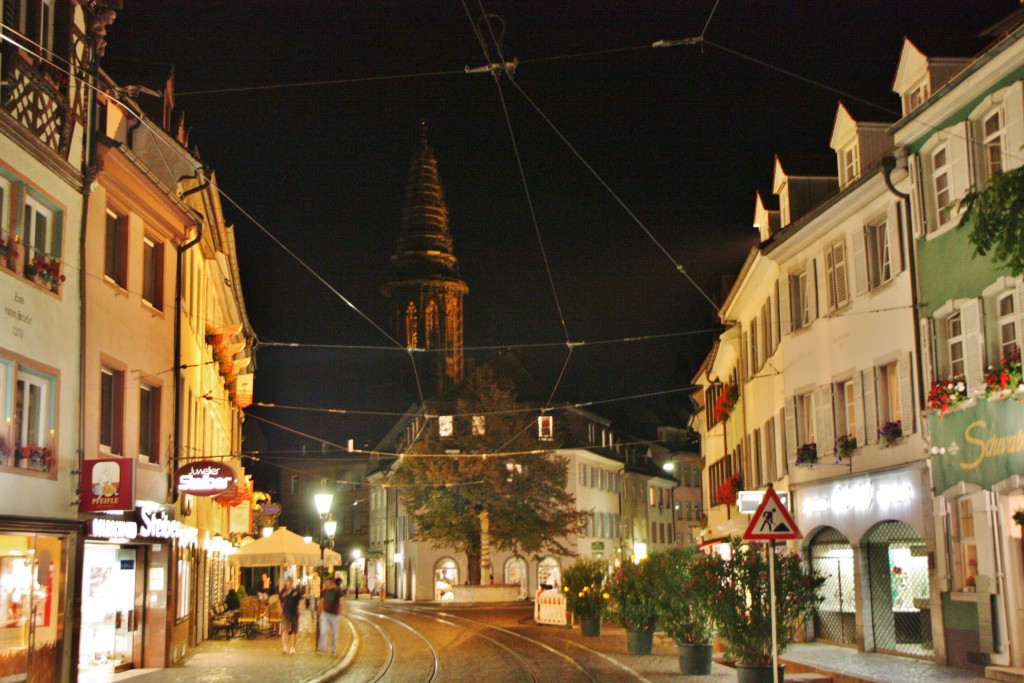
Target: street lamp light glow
323	502
330	528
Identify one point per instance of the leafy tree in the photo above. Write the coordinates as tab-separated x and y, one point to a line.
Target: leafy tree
519	483
996	214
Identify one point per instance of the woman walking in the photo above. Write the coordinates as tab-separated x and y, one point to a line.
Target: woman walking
290	598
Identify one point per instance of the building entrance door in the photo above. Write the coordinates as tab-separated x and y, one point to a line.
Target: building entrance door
110	620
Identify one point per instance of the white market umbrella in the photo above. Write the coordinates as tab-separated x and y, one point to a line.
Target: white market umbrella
283	547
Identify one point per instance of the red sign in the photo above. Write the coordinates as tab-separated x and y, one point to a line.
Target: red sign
772	521
107	485
205	478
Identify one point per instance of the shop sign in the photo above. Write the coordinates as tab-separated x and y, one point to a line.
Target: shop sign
981	445
205	478
596	546
150	523
859	496
107	485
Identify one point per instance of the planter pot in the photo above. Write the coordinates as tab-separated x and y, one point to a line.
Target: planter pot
639	642
21	462
695	658
590	626
748	673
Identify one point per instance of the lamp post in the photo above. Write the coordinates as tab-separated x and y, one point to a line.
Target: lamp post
323	502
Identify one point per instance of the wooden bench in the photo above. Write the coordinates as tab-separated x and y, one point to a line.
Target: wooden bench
223	621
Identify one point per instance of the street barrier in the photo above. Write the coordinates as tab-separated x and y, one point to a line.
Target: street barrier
549	608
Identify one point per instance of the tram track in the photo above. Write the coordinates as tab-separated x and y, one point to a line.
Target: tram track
388	666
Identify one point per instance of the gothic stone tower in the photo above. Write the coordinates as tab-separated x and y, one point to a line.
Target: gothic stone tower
424	285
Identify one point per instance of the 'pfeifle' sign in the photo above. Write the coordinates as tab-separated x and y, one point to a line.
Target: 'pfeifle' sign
205	478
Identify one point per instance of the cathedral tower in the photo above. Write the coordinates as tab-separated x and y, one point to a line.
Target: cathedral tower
424	285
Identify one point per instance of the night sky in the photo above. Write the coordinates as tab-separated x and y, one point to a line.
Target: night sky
685	136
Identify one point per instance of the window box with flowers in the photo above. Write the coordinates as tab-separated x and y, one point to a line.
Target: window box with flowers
36	458
45	271
890	433
845	446
807	455
8	253
726	402
947	394
729	489
1006	379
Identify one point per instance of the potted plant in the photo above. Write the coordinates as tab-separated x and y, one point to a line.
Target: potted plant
1005	379
946	394
634	606
845	446
683	606
890	433
741	604
807	455
585	594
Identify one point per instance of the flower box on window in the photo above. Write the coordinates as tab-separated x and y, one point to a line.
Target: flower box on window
1004	379
36	458
46	271
807	455
890	433
947	394
845	446
8	252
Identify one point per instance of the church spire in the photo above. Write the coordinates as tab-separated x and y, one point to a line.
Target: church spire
424	284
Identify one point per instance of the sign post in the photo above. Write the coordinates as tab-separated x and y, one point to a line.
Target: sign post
772	522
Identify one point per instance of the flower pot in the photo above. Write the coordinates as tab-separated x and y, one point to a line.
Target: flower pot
752	673
20	461
695	658
590	626
639	642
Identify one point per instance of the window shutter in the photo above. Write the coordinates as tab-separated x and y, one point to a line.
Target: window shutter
894	235
744	354
842	287
785	313
983	509
1018	307
867	383
941	515
860	264
830	279
826	422
974	345
776	328
927	366
812	289
790	430
916	196
959	163
905	368
858	409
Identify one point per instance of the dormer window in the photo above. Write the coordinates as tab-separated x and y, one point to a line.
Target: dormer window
850	166
546	427
915	97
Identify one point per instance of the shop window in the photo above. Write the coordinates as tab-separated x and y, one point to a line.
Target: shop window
184	583
115	256
152	273
965	550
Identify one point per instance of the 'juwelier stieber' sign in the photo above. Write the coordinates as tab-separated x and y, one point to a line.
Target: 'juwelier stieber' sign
205	478
981	445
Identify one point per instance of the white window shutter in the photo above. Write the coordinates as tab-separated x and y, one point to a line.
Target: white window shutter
916	196
974	345
858	409
1018	307
812	289
1013	109
860	263
927	362
830	288
826	421
983	508
791	444
942	538
905	368
785	313
957	144
842	285
894	235
867	382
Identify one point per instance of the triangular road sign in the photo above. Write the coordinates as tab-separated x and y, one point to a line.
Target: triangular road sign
772	521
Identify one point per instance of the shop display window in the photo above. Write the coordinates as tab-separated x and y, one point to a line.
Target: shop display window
31	576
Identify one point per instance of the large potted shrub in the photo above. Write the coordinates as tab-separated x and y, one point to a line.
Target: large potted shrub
634	606
683	606
585	594
741	604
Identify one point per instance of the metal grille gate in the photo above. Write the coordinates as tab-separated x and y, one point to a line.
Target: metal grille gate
832	557
899	599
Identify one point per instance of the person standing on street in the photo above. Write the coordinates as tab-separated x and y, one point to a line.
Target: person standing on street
332	604
314	593
289	597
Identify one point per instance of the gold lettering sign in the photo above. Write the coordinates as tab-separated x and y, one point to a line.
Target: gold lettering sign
994	445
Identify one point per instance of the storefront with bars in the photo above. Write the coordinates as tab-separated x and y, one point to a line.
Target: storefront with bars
867	535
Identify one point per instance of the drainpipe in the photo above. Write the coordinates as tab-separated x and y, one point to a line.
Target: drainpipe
889	164
202	173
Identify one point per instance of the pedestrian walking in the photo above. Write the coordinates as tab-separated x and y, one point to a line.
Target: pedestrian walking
313	594
289	597
332	604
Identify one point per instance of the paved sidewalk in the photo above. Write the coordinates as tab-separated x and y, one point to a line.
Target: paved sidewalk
247	661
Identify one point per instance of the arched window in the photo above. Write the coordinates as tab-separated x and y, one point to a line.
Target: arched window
446	575
431	328
411	326
549	573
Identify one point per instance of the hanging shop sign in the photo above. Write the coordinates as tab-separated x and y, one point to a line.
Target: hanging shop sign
150	523
107	485
205	478
982	445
